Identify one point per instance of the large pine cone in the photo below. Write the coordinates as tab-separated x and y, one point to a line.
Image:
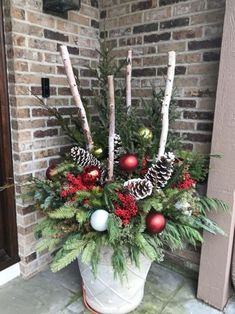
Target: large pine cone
139	188
161	171
84	158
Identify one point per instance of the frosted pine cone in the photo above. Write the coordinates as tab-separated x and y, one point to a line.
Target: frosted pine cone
84	158
139	188
161	171
118	148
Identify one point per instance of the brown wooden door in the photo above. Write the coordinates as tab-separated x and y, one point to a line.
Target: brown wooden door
8	230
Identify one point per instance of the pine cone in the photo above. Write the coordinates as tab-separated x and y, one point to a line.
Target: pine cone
84	158
118	148
139	188
161	171
104	176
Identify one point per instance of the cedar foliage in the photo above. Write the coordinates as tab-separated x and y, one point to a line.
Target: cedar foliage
67	226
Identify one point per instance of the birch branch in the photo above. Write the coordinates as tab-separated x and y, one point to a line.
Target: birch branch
76	96
111	127
166	102
128	79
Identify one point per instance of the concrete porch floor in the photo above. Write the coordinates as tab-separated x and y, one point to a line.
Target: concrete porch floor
166	292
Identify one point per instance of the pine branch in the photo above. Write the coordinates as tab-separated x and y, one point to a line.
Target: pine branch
114	228
64	212
197	164
212	204
171	237
88	252
118	262
134	253
82	216
189	234
145	247
110	194
156	245
73	242
96	255
207	225
75	136
151	203
67	166
47	244
67	258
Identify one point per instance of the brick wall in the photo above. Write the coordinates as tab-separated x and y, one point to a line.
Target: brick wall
193	29
32	39
151	28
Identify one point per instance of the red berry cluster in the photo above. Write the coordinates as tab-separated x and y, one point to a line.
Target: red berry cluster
126	208
85	181
75	184
187	182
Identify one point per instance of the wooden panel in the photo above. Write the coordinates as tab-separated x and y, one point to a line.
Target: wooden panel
215	276
2	238
8	230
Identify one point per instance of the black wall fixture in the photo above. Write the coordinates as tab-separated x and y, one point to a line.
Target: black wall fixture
45	82
60	7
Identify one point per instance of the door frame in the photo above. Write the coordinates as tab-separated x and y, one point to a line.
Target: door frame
9	253
214	285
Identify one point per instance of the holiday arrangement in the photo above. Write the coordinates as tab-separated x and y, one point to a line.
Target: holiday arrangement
121	186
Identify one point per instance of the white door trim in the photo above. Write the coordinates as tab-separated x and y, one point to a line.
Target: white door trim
9	273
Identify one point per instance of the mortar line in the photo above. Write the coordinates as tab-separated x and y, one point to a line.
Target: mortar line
172	297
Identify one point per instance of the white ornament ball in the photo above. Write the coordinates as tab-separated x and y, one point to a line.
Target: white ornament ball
99	220
182	205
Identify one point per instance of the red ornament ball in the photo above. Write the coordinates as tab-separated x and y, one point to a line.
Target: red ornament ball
155	223
51	172
90	175
128	162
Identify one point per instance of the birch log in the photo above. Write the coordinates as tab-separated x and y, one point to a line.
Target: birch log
111	126
76	96
166	102
128	79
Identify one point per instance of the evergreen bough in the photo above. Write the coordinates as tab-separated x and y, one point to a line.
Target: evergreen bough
66	230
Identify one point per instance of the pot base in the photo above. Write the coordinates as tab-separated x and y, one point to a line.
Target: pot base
114	309
107	295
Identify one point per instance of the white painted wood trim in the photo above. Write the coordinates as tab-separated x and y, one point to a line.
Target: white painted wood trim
9	273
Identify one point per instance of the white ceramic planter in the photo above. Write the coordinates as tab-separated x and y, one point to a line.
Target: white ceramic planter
107	295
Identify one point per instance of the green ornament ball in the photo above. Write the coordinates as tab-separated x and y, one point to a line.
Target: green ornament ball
146	134
97	151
